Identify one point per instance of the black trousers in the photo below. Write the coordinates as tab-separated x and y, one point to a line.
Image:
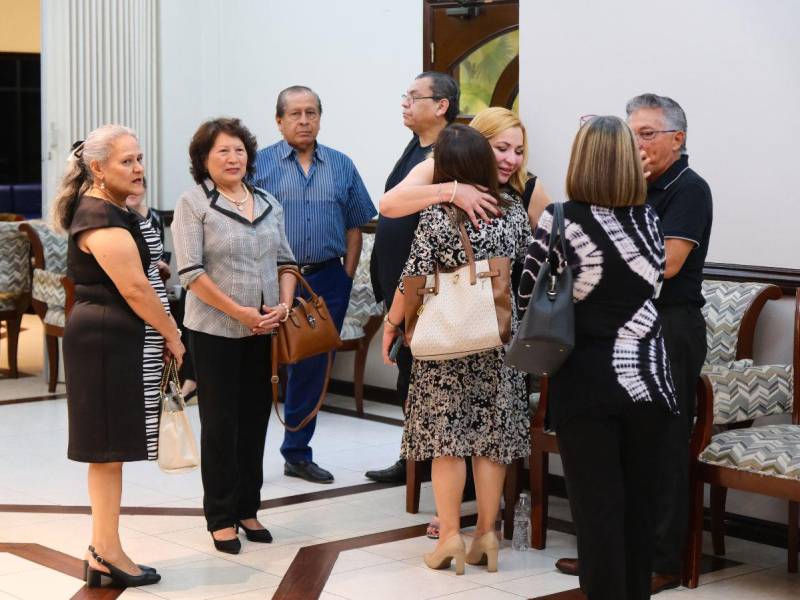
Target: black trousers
234	397
611	482
685	337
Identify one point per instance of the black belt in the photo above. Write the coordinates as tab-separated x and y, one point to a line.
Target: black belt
315	267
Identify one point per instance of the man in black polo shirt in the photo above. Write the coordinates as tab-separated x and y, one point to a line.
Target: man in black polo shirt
429	105
682	200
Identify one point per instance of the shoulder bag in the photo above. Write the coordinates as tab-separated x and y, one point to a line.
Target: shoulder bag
308	331
458	312
546	334
177	448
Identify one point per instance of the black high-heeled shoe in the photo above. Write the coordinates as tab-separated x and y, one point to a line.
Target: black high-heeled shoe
93	577
228	546
142	567
256	535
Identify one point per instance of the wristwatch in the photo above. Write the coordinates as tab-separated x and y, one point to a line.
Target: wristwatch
386	320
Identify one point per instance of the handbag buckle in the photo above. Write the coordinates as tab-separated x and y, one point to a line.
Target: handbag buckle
311	321
551	289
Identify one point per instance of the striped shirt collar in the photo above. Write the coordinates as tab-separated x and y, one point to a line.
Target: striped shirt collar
285	150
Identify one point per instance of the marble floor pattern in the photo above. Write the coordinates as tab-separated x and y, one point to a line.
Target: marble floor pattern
35	471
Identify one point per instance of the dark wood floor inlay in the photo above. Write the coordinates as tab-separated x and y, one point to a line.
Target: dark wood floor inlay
348	412
58	396
198	512
63	563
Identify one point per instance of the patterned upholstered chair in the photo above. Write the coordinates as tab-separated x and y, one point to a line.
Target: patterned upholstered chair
362	320
49	258
763	459
15	285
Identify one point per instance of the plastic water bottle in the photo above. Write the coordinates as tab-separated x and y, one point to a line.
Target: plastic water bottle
522	523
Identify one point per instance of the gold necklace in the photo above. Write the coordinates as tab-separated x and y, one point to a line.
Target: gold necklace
239	204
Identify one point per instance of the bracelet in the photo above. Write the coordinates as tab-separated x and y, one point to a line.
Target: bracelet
286	308
453	195
386	320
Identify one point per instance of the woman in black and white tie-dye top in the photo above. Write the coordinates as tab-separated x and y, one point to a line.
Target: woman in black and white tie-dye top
611	398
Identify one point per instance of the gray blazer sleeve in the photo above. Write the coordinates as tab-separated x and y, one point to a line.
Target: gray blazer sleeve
187	237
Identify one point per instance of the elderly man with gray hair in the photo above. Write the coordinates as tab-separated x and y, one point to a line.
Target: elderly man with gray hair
682	200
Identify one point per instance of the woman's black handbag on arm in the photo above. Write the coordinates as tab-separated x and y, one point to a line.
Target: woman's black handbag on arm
546	334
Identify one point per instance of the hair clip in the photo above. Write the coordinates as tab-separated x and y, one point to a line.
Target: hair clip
77	149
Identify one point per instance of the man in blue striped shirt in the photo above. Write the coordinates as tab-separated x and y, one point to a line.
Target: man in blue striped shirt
324	204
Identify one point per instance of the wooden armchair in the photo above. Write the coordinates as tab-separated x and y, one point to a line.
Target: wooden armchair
731	312
15	285
49	260
362	320
762	460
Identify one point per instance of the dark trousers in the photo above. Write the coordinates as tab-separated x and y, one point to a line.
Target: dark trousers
685	337
611	482
234	397
306	378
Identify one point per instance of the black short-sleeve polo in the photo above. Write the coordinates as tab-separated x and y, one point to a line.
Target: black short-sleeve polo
682	200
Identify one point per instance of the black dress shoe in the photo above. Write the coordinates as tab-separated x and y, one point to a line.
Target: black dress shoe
227	546
310	471
256	535
394	474
568	566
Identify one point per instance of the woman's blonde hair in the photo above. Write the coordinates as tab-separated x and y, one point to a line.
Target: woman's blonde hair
77	178
605	168
495	120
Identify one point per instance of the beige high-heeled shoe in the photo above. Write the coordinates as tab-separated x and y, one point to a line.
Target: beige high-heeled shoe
483	551
453	548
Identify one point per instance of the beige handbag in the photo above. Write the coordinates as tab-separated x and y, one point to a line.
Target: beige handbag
450	314
177	448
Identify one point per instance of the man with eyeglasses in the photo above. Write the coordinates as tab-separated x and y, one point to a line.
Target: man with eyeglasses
429	105
324	204
682	200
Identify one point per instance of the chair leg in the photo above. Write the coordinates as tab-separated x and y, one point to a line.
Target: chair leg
540	467
52	359
511	493
359	365
718	495
794	535
694	539
13	324
413	486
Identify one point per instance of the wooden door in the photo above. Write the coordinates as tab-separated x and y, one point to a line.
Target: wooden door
477	42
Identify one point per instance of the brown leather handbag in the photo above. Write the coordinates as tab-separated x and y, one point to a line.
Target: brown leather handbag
308	331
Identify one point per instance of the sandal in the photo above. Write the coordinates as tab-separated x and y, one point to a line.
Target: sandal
432	531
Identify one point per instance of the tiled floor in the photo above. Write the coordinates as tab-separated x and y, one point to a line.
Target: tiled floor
34	470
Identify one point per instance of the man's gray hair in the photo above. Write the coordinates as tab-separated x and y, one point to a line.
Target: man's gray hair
674	117
280	106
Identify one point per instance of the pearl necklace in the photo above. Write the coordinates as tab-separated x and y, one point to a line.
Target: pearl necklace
239	204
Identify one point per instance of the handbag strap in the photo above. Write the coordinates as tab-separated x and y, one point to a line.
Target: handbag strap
170	375
462	233
301	279
275	380
557	231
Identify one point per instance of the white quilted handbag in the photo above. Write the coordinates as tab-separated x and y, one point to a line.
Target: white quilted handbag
450	314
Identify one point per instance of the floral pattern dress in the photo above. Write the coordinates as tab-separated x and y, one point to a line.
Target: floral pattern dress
475	405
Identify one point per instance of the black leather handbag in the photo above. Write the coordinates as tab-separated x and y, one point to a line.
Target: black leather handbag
546	334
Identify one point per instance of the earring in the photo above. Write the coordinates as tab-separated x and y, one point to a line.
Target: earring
103	185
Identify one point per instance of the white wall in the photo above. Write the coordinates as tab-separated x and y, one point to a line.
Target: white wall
731	64
233	57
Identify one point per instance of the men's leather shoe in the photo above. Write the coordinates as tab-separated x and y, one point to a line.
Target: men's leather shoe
659	583
394	474
310	471
568	566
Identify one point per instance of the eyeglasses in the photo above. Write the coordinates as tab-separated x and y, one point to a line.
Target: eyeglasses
651	134
412	99
311	115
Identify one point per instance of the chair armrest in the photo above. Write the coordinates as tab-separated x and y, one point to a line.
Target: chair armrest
37	250
702	431
69	293
541	409
747	329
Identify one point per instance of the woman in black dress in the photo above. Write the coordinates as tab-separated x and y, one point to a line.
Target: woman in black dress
612	398
117	336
